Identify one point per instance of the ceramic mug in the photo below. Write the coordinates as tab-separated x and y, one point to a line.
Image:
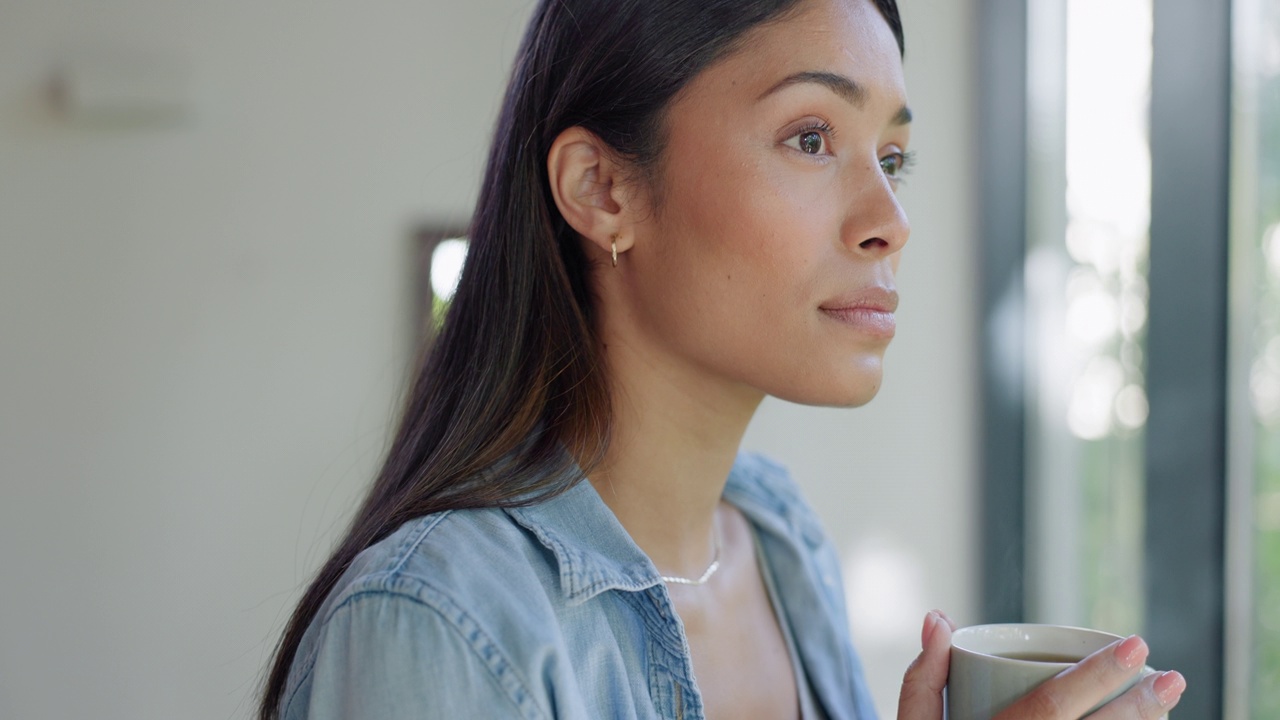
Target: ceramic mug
994	665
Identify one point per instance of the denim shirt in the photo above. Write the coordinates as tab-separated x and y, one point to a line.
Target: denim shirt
552	611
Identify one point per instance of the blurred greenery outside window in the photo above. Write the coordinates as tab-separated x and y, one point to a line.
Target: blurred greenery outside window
442	254
1265	391
447	260
1256	195
1087	257
1089	79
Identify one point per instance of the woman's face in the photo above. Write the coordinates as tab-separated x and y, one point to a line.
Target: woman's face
769	261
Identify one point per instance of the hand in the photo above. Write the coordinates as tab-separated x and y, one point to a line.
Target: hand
1076	690
921	697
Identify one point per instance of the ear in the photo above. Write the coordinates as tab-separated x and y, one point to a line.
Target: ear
589	187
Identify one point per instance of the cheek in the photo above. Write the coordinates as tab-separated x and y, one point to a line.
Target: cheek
740	255
753	219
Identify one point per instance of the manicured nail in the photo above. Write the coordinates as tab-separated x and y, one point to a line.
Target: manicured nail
1131	652
930	626
1169	687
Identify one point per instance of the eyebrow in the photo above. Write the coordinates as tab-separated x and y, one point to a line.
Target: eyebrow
845	87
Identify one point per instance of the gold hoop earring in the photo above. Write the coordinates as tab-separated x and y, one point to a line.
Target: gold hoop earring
615	250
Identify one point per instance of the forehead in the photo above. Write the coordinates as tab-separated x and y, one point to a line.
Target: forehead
847	37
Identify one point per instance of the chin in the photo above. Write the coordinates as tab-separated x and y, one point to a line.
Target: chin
854	397
852	388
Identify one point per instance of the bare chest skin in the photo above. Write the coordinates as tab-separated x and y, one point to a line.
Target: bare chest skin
740	657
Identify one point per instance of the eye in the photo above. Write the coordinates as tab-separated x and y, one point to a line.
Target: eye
895	165
811	140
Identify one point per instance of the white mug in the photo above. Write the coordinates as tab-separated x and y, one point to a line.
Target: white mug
994	665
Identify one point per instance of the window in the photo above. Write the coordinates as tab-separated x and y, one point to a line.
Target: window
1253	661
1106	136
1089	202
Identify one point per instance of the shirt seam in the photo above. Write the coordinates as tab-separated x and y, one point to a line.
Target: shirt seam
401	557
407	548
481	636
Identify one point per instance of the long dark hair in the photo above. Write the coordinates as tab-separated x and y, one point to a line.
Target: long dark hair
515	377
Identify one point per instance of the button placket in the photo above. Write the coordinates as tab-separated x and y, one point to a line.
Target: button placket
671	667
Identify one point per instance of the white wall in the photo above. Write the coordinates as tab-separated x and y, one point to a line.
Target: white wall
204	326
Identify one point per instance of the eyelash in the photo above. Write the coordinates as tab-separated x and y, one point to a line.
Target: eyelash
906	164
815	126
820	126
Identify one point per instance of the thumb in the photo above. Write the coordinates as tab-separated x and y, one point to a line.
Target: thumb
921	697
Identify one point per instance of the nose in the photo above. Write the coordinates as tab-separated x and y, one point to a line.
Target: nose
876	225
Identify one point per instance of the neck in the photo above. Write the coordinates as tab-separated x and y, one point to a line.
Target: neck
674	438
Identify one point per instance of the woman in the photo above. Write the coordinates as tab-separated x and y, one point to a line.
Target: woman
689	205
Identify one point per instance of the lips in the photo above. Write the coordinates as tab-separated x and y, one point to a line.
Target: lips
868	310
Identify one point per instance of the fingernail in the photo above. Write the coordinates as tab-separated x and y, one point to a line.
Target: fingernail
1131	652
1169	687
930	625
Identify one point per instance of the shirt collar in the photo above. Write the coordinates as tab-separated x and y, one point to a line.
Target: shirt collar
596	554
764	492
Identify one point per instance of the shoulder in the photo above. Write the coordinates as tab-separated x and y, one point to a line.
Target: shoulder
459	586
462	551
455	557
